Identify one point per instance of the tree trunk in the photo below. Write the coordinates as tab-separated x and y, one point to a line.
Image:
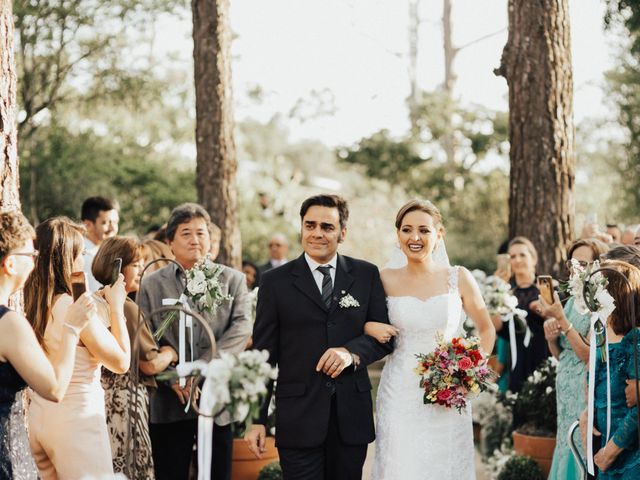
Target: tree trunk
414	36
536	63
9	175
216	152
9	179
448	139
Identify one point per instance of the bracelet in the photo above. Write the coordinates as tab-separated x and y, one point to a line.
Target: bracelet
564	332
74	329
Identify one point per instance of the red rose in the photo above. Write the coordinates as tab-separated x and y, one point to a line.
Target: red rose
443	395
465	363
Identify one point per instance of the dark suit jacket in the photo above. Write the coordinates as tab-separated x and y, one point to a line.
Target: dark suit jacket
231	326
265	267
296	327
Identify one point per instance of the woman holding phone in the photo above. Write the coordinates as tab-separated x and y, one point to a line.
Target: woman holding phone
124	412
523	258
22	360
69	439
563	330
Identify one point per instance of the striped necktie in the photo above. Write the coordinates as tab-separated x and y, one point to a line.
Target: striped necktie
327	286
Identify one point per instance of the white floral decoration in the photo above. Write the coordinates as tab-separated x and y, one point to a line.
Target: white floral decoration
347	301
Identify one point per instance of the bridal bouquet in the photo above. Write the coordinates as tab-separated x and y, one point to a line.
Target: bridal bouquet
453	371
203	288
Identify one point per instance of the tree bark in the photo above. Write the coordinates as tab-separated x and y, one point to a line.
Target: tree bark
9	178
448	139
536	63
216	152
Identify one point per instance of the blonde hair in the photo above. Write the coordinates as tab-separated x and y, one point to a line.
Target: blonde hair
154	249
422	206
528	245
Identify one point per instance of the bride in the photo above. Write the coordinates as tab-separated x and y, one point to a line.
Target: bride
425	296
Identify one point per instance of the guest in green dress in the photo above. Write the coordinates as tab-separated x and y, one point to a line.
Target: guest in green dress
619	457
562	329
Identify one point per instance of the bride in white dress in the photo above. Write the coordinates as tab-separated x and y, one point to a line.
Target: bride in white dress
425	296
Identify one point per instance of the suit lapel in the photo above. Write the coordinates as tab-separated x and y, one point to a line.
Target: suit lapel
304	281
343	282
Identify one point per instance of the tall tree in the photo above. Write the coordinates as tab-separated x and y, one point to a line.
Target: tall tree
536	63
9	180
216	151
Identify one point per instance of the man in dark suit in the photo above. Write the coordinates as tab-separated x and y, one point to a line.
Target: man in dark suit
278	249
173	432
310	317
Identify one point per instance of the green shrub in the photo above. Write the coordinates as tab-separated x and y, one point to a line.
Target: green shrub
520	467
272	471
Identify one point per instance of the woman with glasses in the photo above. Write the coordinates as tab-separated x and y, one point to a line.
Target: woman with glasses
564	331
22	360
125	413
70	439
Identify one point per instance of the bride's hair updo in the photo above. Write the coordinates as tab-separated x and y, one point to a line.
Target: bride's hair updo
419	205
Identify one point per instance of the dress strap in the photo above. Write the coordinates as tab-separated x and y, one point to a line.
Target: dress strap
453	279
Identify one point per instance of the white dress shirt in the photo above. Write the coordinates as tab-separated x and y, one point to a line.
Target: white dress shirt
317	274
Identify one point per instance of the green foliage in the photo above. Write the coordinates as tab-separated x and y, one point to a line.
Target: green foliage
520	467
535	404
71	167
271	471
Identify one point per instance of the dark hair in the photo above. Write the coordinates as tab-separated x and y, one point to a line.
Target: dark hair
59	241
330	201
596	246
184	214
247	263
626	310
527	243
126	248
15	230
92	207
421	206
624	253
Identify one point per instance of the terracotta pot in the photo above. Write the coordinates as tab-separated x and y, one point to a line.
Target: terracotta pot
245	464
538	448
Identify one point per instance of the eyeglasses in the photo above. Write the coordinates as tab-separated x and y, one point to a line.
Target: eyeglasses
33	254
581	263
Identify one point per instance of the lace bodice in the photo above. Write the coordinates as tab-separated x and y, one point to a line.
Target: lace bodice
417	441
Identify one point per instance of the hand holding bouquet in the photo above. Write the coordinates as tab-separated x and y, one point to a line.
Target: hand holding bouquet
453	371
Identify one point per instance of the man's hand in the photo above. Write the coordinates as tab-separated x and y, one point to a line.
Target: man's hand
180	392
334	361
256	439
630	393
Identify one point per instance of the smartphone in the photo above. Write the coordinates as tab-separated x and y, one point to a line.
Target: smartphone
545	285
504	263
115	270
78	285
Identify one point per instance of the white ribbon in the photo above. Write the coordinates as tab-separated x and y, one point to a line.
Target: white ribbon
205	432
184	321
509	318
592	386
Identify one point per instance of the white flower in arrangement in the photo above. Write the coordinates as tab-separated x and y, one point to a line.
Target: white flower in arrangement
204	287
589	290
234	384
347	301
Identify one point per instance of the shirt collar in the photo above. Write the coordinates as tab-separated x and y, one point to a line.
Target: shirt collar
313	265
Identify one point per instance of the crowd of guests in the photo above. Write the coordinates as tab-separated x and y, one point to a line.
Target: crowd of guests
558	329
90	357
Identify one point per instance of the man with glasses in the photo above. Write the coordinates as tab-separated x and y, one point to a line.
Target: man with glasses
278	249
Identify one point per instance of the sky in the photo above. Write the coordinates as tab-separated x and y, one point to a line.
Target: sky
353	54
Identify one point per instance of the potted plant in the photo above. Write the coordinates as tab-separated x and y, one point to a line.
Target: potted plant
245	465
535	405
519	467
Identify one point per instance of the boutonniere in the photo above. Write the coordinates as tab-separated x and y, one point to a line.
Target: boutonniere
347	301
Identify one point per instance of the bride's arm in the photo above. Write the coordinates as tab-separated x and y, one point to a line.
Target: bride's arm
476	309
382	332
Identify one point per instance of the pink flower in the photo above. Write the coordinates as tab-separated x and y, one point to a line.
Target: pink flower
465	363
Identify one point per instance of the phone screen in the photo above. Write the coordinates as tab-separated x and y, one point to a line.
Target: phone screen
115	272
78	285
545	285
504	263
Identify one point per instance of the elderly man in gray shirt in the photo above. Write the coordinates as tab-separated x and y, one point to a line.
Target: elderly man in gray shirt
173	432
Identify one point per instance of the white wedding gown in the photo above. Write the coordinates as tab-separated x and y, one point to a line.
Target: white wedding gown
416	441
